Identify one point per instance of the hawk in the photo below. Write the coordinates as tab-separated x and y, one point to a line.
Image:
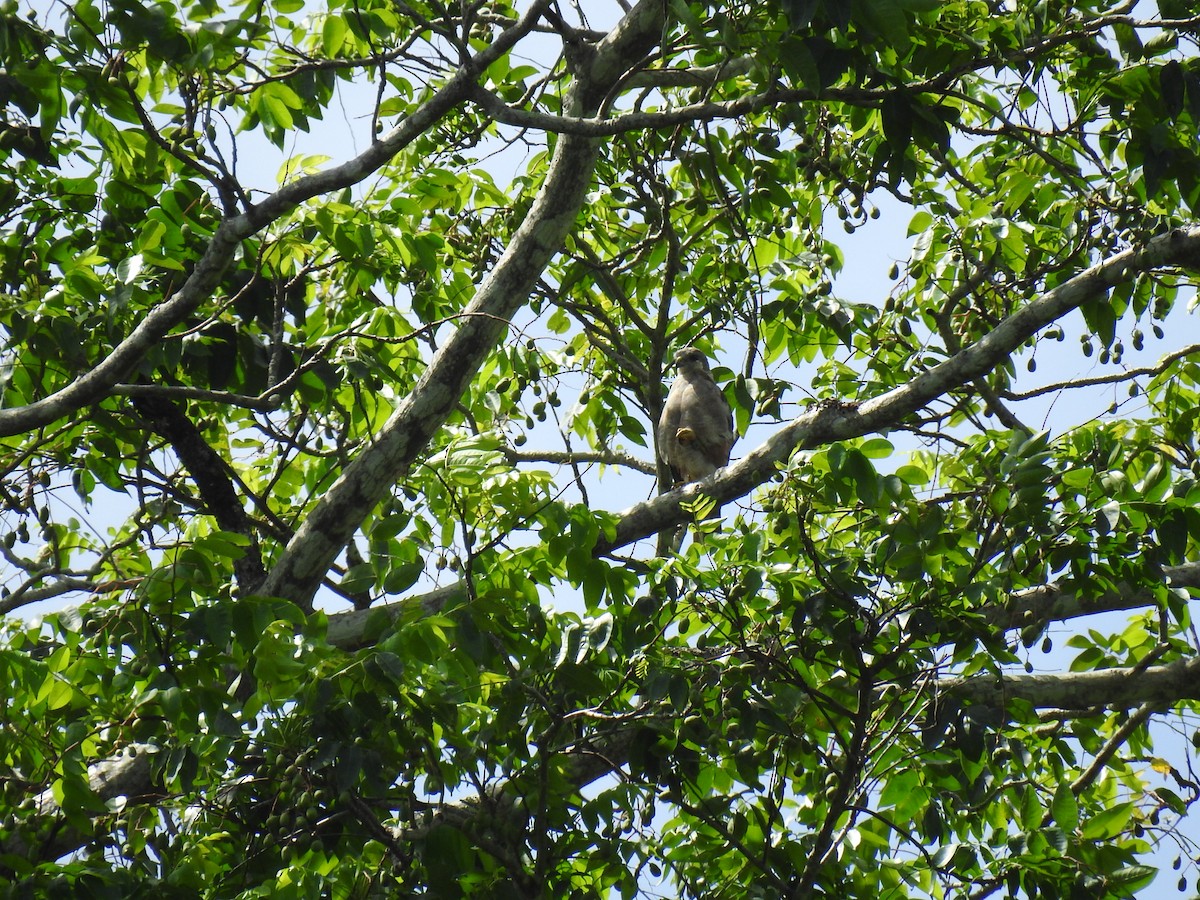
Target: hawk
695	431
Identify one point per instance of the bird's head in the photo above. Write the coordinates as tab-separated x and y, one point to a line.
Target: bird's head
690	360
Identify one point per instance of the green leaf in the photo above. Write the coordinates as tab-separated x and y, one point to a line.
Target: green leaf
403	575
600	632
1064	807
876	448
885	18
914	475
570	646
1108	823
128	269
333	33
919	223
1108	517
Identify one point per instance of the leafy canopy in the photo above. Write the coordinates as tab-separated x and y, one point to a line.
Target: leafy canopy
335	496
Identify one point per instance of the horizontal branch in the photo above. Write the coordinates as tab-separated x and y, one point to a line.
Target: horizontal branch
130	775
566	458
1113	688
1051	603
127	775
609	126
692	76
824	424
1032	607
263	403
1164	362
1109	688
711	110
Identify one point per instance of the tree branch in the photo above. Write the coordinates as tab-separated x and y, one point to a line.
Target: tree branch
98	381
373	472
604	457
211	475
1164	363
1050	603
130	775
127	775
1113	688
828	423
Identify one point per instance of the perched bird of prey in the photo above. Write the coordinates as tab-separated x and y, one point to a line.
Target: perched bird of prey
695	431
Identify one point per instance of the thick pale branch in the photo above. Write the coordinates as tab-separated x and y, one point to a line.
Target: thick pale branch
1112	688
97	382
346	629
128	775
1050	603
824	424
368	479
1036	606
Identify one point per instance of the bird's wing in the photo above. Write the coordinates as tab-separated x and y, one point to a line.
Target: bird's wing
668	422
706	412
